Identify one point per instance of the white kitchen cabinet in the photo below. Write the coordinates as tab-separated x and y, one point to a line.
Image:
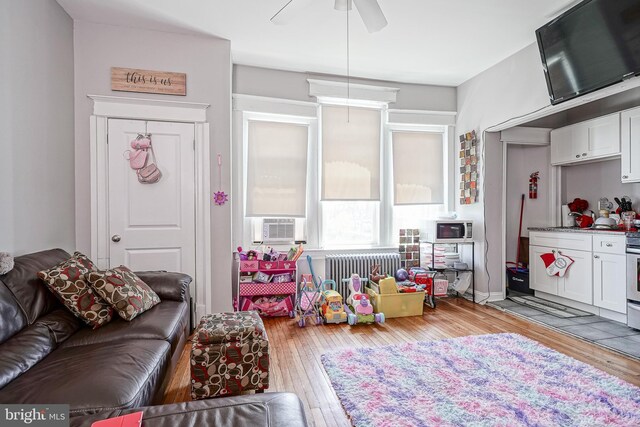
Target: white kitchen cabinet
609	281
577	283
630	131
539	280
590	140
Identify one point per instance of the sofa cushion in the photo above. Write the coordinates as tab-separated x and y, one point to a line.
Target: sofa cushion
12	318
166	321
33	298
268	409
124	291
33	343
94	378
68	282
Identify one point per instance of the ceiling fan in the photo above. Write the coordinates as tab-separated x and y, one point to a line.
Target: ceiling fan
369	11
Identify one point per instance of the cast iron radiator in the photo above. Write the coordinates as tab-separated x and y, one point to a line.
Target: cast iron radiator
341	266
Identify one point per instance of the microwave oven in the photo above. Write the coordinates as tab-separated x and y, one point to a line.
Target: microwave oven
451	231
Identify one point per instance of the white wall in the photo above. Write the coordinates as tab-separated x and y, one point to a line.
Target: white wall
36	114
595	180
207	63
522	161
293	85
511	88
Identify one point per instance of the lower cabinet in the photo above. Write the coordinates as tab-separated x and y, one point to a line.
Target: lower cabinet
577	283
539	280
609	271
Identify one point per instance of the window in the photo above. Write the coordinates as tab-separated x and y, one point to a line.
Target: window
351	172
350	181
276	169
350	153
418	168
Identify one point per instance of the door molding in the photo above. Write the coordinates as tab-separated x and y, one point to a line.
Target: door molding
111	107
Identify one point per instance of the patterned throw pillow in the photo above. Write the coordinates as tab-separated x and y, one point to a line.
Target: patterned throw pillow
124	291
68	283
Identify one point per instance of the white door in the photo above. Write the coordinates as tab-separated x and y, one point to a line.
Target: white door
610	282
539	280
577	283
152	226
631	145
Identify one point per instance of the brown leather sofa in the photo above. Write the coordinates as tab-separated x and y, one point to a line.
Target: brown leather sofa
265	409
47	355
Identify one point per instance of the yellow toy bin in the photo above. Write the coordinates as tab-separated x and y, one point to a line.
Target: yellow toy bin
397	305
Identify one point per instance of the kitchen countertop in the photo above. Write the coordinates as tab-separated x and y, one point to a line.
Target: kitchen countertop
584	230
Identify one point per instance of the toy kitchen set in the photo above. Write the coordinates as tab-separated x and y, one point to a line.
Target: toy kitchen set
594	259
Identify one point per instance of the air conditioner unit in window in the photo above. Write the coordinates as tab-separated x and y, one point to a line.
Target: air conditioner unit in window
279	230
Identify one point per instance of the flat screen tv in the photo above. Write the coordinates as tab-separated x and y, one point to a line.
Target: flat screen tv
592	45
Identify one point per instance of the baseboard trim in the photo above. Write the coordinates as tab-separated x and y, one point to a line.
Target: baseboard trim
485	297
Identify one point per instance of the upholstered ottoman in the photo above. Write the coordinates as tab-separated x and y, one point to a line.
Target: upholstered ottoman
229	355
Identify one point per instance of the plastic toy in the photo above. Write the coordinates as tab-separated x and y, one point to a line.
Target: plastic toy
307	302
402	275
333	309
360	309
355	284
242	254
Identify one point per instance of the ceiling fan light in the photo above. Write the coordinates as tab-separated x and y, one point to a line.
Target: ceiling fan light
371	14
343	5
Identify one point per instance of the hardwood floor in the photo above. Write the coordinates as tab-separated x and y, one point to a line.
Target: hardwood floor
295	352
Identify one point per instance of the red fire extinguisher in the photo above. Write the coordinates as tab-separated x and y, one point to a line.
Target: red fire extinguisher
533	185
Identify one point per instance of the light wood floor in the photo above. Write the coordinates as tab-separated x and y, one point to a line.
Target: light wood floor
295	352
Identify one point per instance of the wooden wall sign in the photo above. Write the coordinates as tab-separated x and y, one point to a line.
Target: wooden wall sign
147	81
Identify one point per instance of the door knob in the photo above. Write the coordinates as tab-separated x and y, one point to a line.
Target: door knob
596	256
115	238
625	176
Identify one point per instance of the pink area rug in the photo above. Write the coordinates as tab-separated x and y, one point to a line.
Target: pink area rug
486	380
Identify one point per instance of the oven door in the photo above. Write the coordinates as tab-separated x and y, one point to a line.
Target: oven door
633	274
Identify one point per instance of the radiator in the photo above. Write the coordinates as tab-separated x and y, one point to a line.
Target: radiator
338	267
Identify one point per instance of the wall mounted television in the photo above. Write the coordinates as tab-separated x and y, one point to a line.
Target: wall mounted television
592	45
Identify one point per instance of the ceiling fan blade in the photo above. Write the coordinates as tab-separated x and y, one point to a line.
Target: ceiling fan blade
343	5
289	11
371	14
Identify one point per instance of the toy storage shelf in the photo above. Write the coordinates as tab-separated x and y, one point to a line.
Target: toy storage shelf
249	289
431	298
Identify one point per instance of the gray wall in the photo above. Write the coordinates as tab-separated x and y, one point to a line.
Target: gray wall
595	180
293	85
511	88
207	63
36	113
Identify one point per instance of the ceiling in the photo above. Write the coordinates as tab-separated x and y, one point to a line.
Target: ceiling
442	42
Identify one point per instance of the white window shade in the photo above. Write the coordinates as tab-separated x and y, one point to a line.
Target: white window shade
418	174
350	153
276	169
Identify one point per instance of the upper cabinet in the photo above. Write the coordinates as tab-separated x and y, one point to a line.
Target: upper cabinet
630	129
591	140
